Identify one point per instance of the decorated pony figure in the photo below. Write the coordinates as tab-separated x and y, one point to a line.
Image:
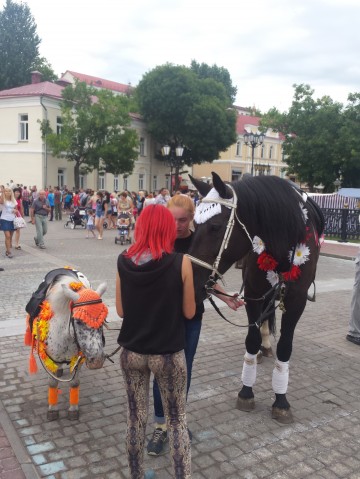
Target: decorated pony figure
65	327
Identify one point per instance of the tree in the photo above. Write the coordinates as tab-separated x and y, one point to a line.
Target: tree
349	143
19	45
182	108
95	132
43	66
311	129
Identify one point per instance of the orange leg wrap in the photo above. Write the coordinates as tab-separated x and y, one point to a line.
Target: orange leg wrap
74	396
53	396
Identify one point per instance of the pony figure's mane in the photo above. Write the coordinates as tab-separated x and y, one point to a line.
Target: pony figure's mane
270	208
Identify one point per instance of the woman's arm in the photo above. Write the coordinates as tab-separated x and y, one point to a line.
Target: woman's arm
2	190
189	305
21	208
119	306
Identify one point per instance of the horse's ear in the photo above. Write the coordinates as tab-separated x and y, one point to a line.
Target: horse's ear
219	185
203	188
101	289
69	293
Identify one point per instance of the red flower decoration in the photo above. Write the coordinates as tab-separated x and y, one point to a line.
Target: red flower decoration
293	274
266	262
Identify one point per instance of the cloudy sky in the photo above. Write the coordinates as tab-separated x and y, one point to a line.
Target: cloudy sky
267	46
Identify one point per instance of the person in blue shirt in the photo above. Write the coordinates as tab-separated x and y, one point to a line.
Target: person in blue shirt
51	200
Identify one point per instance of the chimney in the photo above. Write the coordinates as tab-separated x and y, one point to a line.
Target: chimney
36	77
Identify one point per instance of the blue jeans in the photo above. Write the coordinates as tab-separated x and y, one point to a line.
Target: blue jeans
192	334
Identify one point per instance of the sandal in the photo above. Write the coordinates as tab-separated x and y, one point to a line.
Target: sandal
18	247
8	254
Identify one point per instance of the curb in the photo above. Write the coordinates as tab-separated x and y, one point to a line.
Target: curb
19	450
338	256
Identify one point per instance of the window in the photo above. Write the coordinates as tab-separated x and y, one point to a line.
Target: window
24	127
61	177
116	182
101	181
271	152
58	125
141	181
155	183
125	182
82	181
262	151
238	148
142	146
235	175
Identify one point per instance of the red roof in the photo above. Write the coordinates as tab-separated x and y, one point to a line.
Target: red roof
44	88
99	82
243	120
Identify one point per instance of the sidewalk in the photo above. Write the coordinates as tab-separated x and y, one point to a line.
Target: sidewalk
324	385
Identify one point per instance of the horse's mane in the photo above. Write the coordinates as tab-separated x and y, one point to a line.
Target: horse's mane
269	207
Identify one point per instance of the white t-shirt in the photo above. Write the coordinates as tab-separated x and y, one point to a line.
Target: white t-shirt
8	211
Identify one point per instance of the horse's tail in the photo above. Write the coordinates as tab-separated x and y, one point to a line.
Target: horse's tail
272	323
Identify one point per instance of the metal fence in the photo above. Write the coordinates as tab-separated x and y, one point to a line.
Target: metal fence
342	222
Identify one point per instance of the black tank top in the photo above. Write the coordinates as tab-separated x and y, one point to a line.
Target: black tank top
152	295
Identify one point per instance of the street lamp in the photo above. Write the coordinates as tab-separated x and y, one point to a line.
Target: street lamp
253	140
173	159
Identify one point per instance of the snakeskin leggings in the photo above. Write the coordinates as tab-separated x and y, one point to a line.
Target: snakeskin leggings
170	373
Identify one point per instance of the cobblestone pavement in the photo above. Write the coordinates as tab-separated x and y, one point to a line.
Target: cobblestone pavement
324	385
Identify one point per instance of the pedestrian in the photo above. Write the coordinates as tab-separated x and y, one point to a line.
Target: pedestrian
101	208
152	335
90	223
39	211
182	208
57	203
51	199
163	197
354	323
25	195
8	214
20	212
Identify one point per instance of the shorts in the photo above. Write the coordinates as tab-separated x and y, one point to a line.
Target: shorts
6	225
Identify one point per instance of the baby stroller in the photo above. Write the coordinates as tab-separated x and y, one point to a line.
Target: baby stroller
76	219
123	226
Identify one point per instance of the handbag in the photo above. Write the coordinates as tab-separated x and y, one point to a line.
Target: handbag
19	222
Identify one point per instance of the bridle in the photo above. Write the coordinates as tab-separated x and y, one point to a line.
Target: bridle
230	203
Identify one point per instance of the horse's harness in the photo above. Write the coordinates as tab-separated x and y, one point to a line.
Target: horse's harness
80	357
275	291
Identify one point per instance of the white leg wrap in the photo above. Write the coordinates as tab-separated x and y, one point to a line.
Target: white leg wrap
280	377
248	376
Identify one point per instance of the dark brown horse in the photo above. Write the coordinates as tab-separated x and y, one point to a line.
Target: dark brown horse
276	230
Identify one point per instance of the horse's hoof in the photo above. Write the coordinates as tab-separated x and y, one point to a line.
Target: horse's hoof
259	357
73	415
267	352
245	404
283	416
52	415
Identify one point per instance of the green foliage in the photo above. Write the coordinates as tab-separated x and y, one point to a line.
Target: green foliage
188	106
96	131
43	66
19	45
349	145
312	137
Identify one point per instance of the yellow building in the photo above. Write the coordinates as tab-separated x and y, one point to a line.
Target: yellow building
237	159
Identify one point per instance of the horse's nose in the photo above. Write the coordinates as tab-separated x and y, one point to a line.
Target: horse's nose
95	363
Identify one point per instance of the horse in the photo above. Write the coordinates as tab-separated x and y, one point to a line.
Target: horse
66	329
276	230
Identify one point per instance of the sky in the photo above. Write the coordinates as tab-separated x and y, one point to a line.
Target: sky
267	46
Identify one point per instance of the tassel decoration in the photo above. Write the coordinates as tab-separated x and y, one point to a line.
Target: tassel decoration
33	369
27	337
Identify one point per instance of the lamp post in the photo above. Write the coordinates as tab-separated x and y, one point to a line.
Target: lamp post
253	140
173	158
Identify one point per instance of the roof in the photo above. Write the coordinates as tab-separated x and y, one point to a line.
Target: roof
243	120
349	192
44	88
98	82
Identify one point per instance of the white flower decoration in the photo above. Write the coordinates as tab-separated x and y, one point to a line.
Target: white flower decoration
258	245
272	277
304	212
301	254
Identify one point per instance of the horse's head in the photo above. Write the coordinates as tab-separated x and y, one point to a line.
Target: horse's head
212	232
88	314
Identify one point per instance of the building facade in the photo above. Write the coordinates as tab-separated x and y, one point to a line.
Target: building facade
26	159
237	159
